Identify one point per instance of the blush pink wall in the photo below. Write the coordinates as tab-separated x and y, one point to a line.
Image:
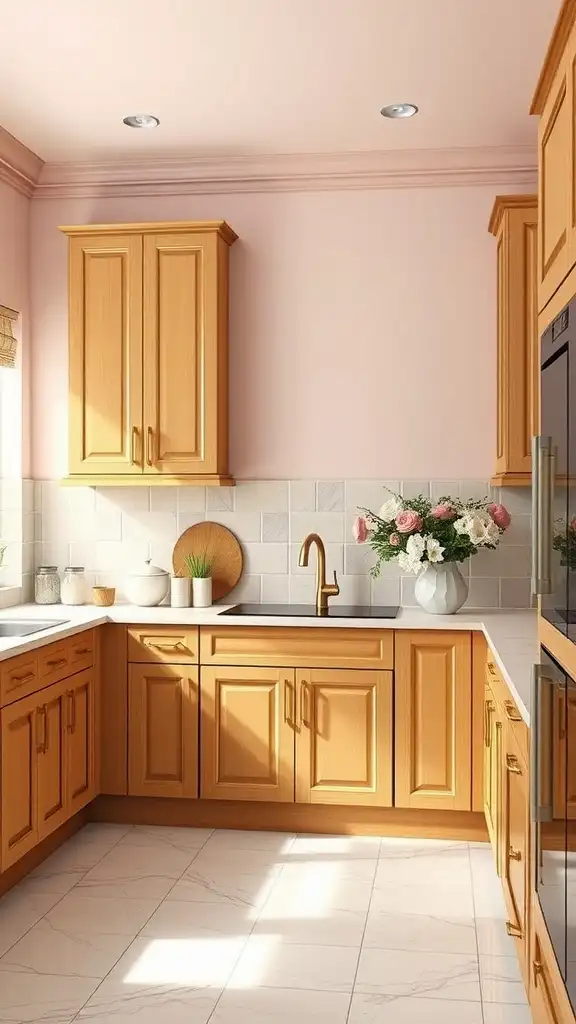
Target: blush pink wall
362	329
15	293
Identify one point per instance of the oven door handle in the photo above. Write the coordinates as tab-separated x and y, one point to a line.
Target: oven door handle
543	467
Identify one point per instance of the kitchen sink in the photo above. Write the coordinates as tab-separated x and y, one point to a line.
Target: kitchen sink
24	627
334	611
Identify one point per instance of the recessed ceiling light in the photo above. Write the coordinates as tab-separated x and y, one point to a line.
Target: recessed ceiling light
141	121
399	110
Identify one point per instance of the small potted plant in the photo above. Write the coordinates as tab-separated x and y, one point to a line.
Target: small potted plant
200	571
429	539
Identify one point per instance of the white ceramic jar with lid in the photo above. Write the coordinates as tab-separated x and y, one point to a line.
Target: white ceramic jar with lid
147	585
74	588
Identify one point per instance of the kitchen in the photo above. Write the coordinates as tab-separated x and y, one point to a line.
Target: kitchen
331	793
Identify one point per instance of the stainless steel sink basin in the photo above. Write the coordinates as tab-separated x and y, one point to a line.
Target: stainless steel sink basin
24	627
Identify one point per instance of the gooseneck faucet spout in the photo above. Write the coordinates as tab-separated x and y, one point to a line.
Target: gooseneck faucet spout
323	590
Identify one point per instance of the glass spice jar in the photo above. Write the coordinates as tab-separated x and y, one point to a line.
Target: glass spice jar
74	586
47	585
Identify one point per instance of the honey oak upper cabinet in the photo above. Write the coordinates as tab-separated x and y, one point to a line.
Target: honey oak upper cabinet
247	734
433	720
148	338
514	223
555	102
344	737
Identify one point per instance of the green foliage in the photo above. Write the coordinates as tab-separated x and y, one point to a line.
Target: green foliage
199	566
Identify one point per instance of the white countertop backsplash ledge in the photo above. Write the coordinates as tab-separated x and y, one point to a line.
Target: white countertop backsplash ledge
512	635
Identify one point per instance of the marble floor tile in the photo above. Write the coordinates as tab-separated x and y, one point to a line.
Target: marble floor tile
104	830
32	998
430	933
308	872
106	916
243	881
430	975
175	838
175	962
492	937
174	920
19	911
506	1013
381	1009
149	1004
337	847
136	871
501	980
75	856
280	1006
273	964
57	883
236	839
45	950
448	867
318	895
440	901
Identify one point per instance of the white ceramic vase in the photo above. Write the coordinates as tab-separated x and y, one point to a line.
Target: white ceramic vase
180	592
202	592
441	589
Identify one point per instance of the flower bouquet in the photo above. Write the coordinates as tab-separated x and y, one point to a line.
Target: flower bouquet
565	542
429	538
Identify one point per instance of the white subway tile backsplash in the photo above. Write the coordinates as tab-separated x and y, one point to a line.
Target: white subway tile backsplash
330	495
516	499
109	530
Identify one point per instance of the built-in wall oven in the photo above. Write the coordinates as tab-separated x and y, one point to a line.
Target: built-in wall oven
553	777
554	476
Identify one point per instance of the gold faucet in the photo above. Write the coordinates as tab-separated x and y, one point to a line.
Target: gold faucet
323	590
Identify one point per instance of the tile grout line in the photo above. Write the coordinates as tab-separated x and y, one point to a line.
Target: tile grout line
133	940
361	947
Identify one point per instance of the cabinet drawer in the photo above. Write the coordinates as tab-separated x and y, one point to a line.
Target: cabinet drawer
18	677
298	647
81	651
53	663
166	644
509	708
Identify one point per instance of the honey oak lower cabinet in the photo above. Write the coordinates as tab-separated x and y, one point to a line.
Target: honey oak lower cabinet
163	730
81	697
344	737
247	733
493	772
433	720
19	754
51	763
515	841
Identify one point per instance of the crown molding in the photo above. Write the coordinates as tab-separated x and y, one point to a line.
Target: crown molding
19	166
499	166
504	203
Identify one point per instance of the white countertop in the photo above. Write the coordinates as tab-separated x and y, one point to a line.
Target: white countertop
512	635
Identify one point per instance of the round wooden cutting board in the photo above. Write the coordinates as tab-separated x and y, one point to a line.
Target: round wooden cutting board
218	543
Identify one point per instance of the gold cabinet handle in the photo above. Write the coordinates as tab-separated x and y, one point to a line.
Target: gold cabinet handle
56	662
81	650
304	712
71	710
41	732
135	438
514	930
178	646
511	711
289	703
28	678
561	718
489	708
514	854
150	447
513	764
537	970
492	669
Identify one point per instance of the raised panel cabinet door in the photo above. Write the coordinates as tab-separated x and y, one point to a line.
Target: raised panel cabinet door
185	354
18	795
491	770
433	720
515	844
554	187
80	740
105	341
247	734
51	762
344	737
162	730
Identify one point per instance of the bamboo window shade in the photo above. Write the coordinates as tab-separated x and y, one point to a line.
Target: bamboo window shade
8	343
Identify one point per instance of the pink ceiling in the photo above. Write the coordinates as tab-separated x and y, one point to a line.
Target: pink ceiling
247	77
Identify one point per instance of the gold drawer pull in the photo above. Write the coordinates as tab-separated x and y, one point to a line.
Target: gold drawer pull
82	650
55	662
492	670
28	678
511	711
537	970
513	764
178	646
514	854
514	930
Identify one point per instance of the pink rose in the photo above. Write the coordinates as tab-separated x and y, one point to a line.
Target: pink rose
394	540
360	529
500	516
443	512
408	521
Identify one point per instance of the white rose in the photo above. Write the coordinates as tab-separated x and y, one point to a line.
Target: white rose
461	525
434	550
408	564
390	510
491	533
415	547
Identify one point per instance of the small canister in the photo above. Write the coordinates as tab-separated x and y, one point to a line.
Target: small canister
47	585
74	587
